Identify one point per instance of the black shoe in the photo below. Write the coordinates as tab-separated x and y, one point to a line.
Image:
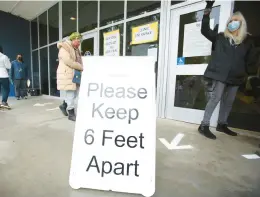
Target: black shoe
224	129
72	115
63	108
204	130
18	98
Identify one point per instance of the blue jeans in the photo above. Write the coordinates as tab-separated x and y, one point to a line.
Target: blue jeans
70	97
5	88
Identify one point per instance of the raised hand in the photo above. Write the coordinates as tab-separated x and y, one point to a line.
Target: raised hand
209	4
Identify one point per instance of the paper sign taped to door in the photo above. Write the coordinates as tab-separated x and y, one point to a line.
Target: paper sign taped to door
195	44
112	43
145	33
153	52
115	135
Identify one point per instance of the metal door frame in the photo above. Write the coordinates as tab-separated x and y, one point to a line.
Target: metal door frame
226	10
95	36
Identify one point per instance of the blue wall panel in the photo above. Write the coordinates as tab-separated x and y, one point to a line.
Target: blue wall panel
15	38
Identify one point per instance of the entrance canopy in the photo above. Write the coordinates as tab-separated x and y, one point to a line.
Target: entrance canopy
26	9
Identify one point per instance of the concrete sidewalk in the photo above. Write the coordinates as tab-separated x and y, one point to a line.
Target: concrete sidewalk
36	146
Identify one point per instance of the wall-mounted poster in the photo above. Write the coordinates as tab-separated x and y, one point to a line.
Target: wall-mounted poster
145	33
153	51
195	44
112	43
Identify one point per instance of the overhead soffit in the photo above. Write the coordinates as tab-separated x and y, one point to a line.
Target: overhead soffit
26	9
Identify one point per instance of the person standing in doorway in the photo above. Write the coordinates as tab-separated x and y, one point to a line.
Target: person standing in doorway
69	62
18	75
226	69
5	64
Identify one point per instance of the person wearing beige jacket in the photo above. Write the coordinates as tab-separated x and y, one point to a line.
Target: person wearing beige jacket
69	61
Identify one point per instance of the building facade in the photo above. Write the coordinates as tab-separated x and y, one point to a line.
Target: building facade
168	30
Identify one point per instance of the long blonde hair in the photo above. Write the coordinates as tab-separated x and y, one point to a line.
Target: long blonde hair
242	31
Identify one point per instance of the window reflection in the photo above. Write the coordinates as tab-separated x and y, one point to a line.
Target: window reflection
53	16
44	71
87	15
144	46
43	29
245	113
111	12
87	47
35	69
192	91
140	49
176	2
69	17
246	108
54	62
135	8
34	33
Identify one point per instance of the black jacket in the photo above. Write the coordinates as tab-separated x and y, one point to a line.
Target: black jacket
228	62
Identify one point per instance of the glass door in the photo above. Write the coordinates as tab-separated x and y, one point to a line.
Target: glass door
89	45
189	54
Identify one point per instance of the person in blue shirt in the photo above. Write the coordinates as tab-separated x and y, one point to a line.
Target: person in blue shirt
18	76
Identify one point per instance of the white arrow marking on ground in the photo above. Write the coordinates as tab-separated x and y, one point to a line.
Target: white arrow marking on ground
252	156
56	108
41	105
38	105
174	143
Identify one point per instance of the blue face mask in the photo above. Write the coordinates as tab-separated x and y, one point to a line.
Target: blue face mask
233	26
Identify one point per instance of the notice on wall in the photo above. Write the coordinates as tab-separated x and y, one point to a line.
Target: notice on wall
115	135
112	43
145	33
153	52
195	44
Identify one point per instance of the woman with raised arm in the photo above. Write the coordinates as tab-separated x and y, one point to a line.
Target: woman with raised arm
226	69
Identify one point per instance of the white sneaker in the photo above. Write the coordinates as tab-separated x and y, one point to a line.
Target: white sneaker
5	105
